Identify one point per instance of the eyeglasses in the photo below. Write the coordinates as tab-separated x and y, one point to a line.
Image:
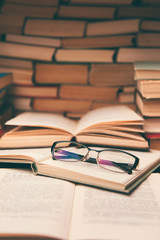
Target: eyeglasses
109	159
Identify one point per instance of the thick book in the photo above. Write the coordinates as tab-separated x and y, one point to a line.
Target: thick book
99	42
150	25
84	55
33	91
148	107
149	89
50	208
61	73
21	76
113	27
29	10
86	12
114	74
147	70
49	3
31	40
102	2
15	63
88	92
109	126
26	51
54	28
10	23
139	12
41	162
138	55
148	40
50	104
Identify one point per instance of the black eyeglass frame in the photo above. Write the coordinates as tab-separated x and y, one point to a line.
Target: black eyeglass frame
94	160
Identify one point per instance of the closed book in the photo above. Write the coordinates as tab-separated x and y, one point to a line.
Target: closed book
99	42
84	55
60	105
114	74
88	92
147	70
54	28
102	2
150	25
26	51
20	103
50	3
20	76
148	107
113	27
15	63
100	104
149	89
139	12
10	23
31	40
86	12
29	10
138	54
109	126
148	39
33	91
61	73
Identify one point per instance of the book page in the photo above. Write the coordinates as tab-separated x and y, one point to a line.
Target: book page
105	215
95	175
29	155
34	206
110	115
38	119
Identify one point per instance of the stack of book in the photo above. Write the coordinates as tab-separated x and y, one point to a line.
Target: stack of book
147	76
74	56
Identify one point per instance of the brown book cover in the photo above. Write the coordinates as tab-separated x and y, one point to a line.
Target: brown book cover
26	51
113	27
31	40
61	73
84	55
148	39
139	11
114	74
54	28
29	10
86	12
138	54
150	25
33	91
99	42
88	92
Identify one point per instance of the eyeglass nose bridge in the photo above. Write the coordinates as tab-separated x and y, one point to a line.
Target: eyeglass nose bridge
87	156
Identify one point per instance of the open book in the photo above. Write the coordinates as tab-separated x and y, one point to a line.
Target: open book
109	126
54	209
83	172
